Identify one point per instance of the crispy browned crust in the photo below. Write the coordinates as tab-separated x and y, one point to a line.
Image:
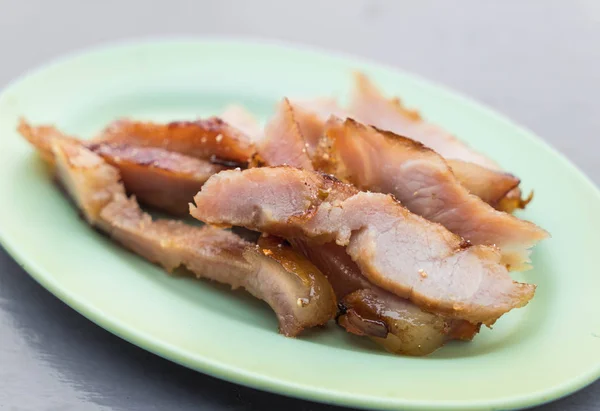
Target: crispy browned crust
363	82
362	313
328	157
158	178
308	187
208	252
491	186
513	201
284	142
204	139
321	301
41	138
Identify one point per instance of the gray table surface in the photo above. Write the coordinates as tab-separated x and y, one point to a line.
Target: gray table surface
536	61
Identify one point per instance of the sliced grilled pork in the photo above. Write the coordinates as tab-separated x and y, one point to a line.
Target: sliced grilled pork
368	105
398	325
211	138
311	116
159	178
295	289
489	185
423	182
243	120
162	179
391	321
283	142
41	137
91	183
395	249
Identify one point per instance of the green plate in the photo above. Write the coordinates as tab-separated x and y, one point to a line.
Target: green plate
541	352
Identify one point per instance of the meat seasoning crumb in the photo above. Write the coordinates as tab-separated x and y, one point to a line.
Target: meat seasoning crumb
422	273
302	302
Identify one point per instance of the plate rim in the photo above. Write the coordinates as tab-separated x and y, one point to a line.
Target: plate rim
238	375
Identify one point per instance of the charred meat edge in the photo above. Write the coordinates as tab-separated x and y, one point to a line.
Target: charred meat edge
444	274
298	293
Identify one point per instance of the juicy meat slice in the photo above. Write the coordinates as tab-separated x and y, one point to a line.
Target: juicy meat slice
368	105
296	290
91	183
311	116
243	120
210	138
395	249
490	185
396	324
283	142
322	107
363	313
513	201
423	182
159	178
392	322
41	138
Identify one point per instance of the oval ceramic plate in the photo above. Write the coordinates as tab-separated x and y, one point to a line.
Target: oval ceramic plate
535	354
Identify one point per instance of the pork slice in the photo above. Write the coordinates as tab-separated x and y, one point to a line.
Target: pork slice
491	186
283	142
386	321
368	105
298	293
41	138
422	181
311	116
89	181
158	178
210	138
296	290
243	120
391	321
395	249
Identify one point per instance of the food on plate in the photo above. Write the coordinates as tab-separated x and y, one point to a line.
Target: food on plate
489	185
243	120
162	179
367	310
311	116
389	320
369	106
362	313
395	249
422	181
497	188
90	182
364	214
41	137
294	288
211	138
283	142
